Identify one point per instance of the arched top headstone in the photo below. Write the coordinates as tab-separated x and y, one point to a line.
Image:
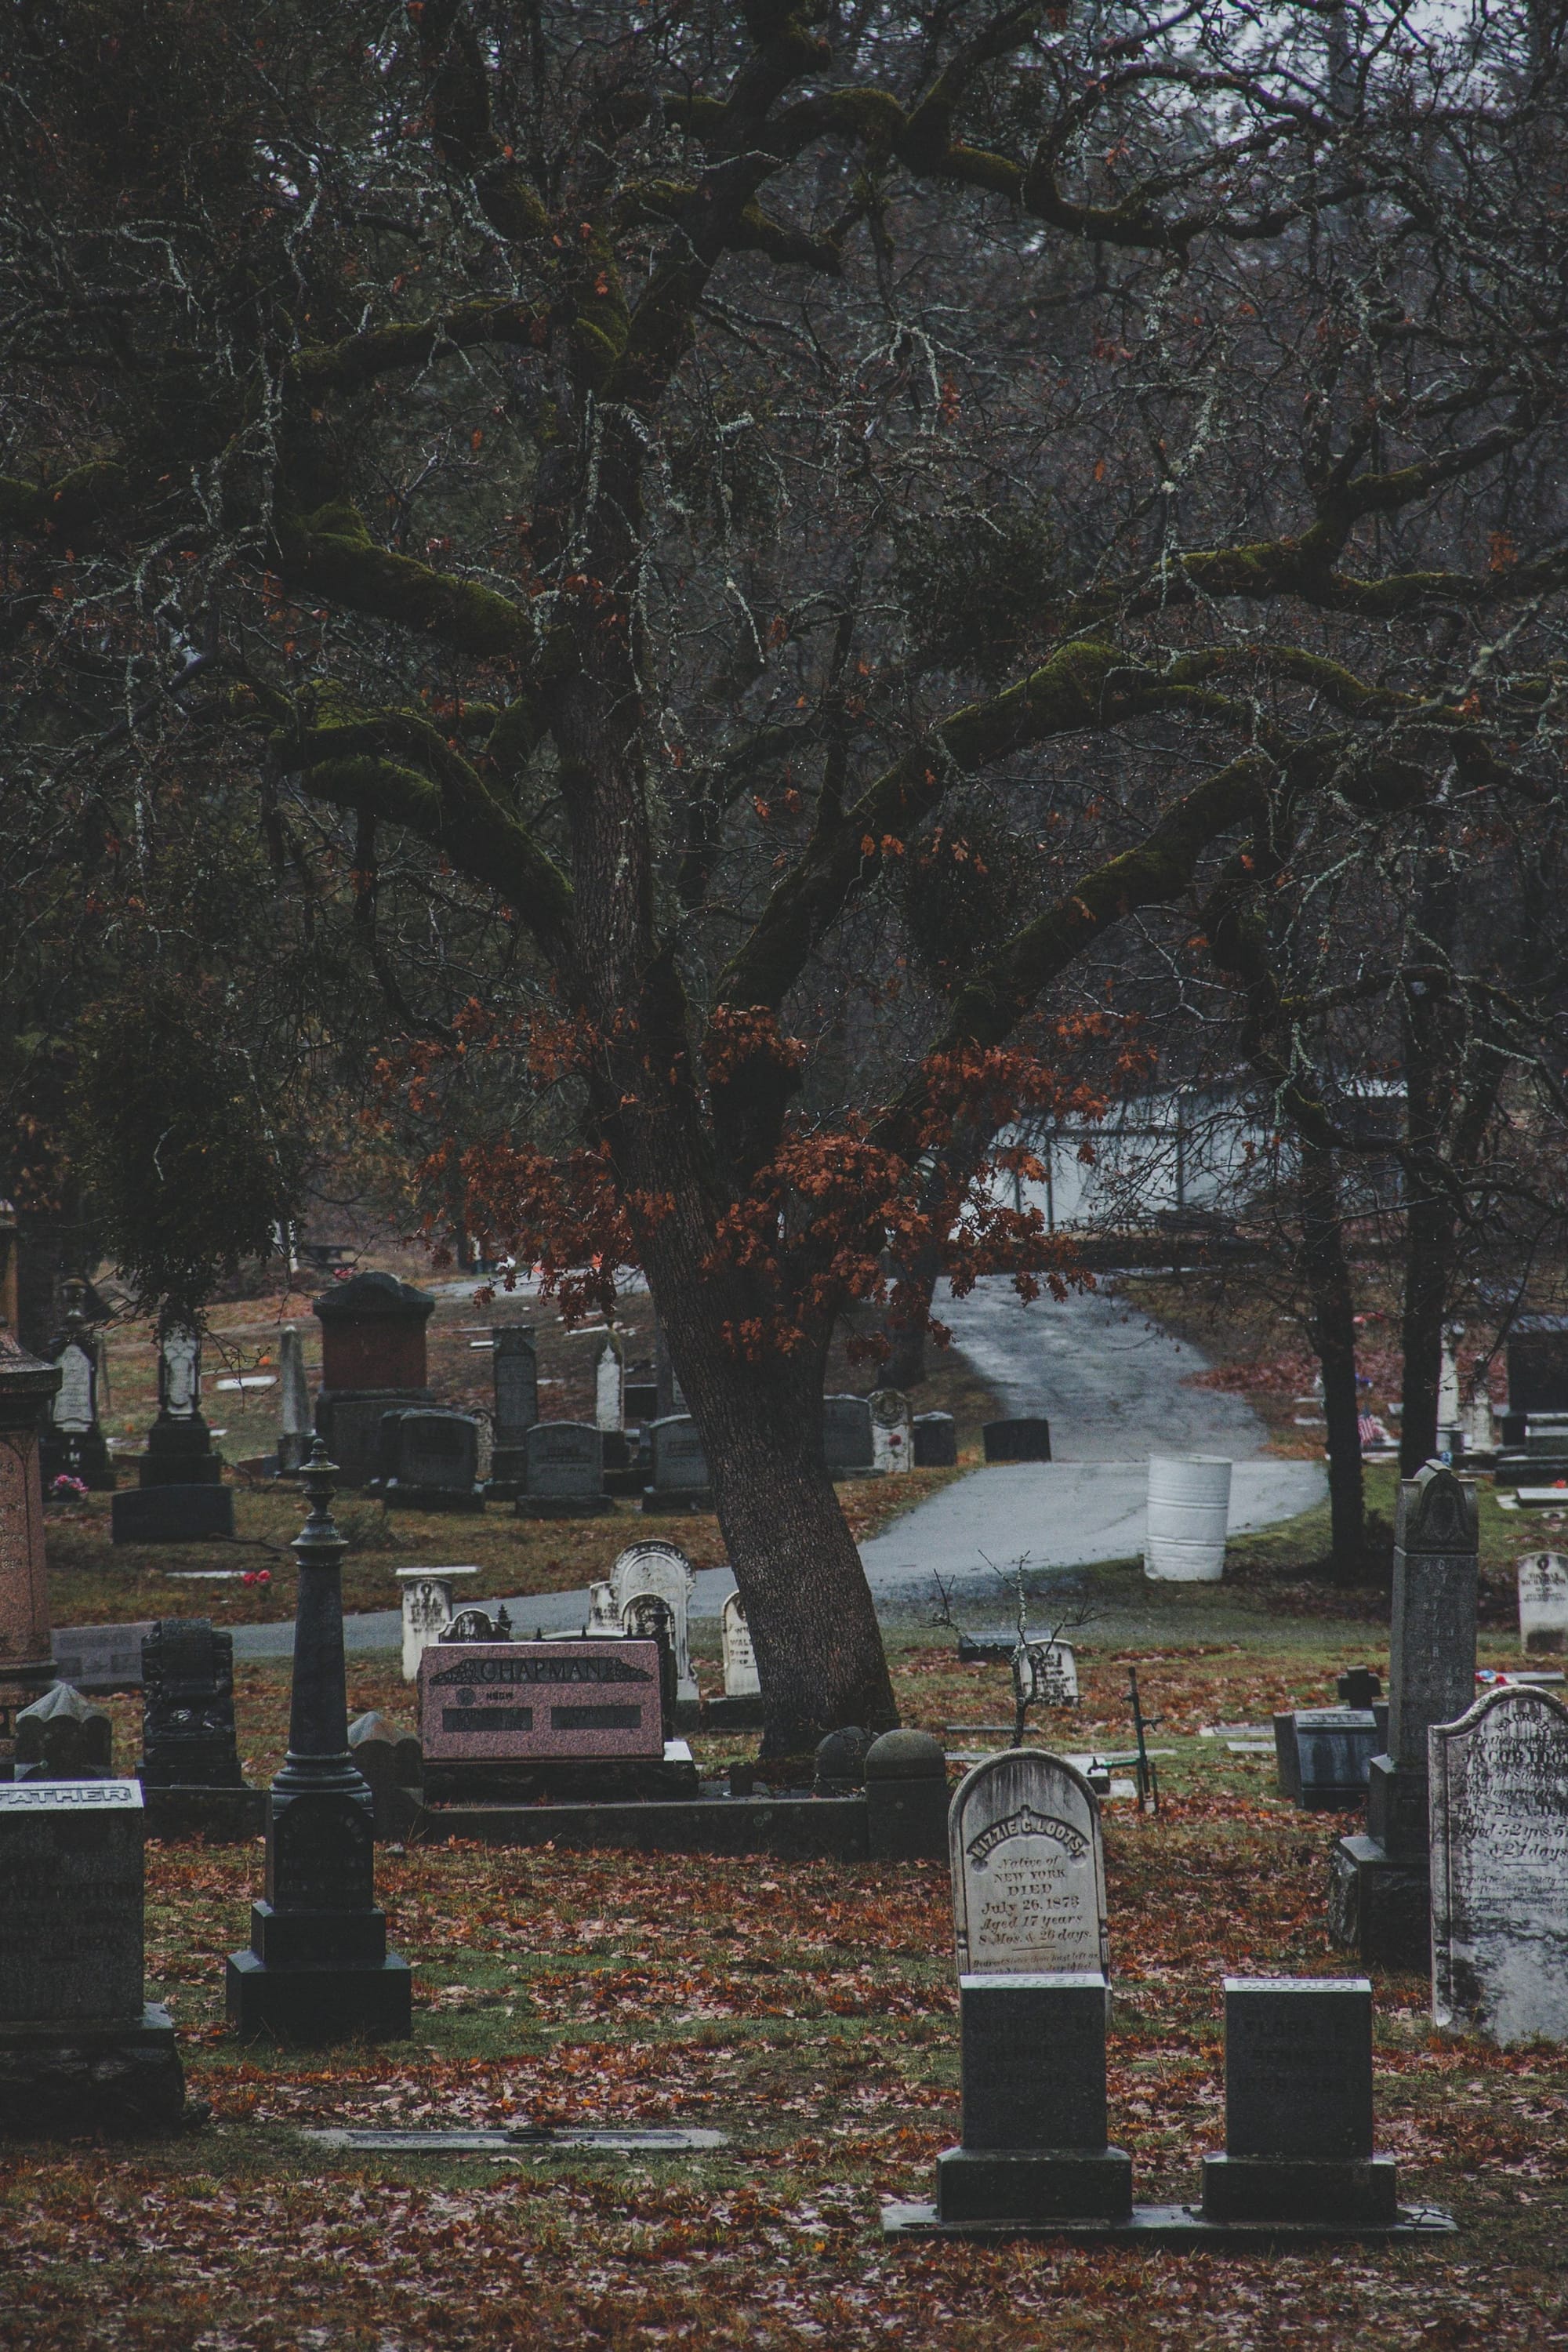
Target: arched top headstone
1500	1867
1028	1868
1437	1512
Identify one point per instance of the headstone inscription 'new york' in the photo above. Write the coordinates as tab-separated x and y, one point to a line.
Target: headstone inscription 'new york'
1500	1868
1028	1868
496	1701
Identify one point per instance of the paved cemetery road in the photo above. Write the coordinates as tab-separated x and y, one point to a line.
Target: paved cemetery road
1114	1387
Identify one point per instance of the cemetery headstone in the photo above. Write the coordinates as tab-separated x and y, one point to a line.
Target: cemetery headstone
514	1367
741	1679
73	1444
603	1617
935	1441
392	1764
428	1456
294	1401
1045	1673
563	1475
649	1619
640	1392
609	1372
180	1497
1542	1602
1024	1438
318	1969
27	1665
847	1436
1298	2107
187	1707
101	1657
1359	1688
427	1606
1538	1365
892	1431
1500	1868
1034	2146
1028	1868
906	1797
680	1481
372	1360
80	2049
61	1737
1379	1896
486	1701
841	1762
1324	1753
664	1570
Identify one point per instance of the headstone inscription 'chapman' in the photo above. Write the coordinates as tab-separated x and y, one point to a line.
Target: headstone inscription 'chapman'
428	1456
81	2050
428	1603
741	1679
1028	1868
27	1665
892	1431
1379	1891
934	1438
1500	1868
514	1370
1542	1602
563	1474
187	1707
664	1570
372	1360
847	1438
680	1481
487	1702
60	1738
318	1969
293	1399
1298	2107
101	1657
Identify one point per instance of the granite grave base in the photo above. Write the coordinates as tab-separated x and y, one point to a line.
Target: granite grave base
743	1714
187	1514
1176	2225
1380	1906
786	1827
694	1502
124	2076
561	1779
989	2185
316	2004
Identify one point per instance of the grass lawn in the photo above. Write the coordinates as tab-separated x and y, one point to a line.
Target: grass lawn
809	2011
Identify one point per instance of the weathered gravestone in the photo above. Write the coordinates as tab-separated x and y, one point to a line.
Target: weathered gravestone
180	1497
187	1707
74	1445
1324	1754
81	2050
664	1570
892	1431
1500	1868
514	1365
609	1376
60	1738
1298	2107
847	1438
372	1360
392	1764
1045	1673
101	1657
1024	1438
1542	1602
741	1680
934	1438
1034	2146
318	1969
428	1603
680	1481
1028	1868
666	1379
1379	1892
294	1401
563	1475
428	1456
603	1617
906	1797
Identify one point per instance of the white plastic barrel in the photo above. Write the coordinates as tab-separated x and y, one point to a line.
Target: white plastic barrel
1189	1508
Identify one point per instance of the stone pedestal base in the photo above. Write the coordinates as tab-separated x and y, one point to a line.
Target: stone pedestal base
1270	2189
318	2005
1061	2184
58	2080
1379	1908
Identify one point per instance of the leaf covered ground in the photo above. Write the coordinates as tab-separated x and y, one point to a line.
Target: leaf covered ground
809	2011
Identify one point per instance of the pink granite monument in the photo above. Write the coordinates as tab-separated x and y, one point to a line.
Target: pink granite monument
505	1702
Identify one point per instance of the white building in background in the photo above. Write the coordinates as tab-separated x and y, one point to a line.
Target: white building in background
1198	1151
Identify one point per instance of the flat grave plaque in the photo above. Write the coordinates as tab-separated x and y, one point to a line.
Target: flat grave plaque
514	1701
589	2138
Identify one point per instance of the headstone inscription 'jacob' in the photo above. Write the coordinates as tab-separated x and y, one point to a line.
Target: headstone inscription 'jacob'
1500	1868
489	1701
1028	1868
1544	1602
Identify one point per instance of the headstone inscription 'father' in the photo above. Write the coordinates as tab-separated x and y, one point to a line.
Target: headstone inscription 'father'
80	2049
1028	1868
1500	1868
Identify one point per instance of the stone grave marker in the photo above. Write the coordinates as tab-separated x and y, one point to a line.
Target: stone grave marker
935	1439
680	1481
741	1680
489	1702
428	1604
1542	1602
1324	1754
101	1657
61	1737
392	1764
428	1456
514	1366
1047	1674
1500	1868
1023	1438
74	1445
27	1667
1034	2146
1028	1868
563	1475
892	1431
180	1497
610	1376
663	1570
79	2047
293	1400
1298	2106
639	1393
905	1775
374	1359
603	1617
666	1379
187	1707
846	1437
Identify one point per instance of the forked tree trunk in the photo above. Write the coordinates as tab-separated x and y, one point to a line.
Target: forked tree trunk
1326	1272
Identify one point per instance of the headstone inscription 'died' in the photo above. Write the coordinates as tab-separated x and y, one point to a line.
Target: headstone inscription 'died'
564	1472
494	1701
741	1680
1544	1602
1028	1868
428	1601
1500	1868
187	1707
663	1571
1298	2107
79	2048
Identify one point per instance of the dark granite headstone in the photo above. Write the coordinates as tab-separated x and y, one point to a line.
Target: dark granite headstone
1538	1365
373	1362
428	1456
680	1481
514	1368
1324	1753
936	1441
847	1435
1298	2106
1026	1438
1034	2146
640	1395
1359	1688
564	1471
60	1738
841	1762
173	1514
187	1711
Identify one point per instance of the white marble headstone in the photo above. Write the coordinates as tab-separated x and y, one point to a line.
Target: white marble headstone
1029	1869
892	1431
180	1372
1543	1600
1048	1674
294	1399
603	1617
1500	1868
662	1569
428	1603
740	1659
73	1406
609	1376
